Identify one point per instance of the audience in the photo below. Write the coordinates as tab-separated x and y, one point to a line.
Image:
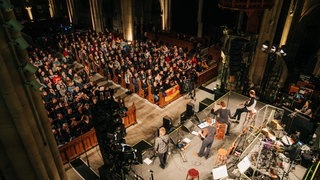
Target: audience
67	91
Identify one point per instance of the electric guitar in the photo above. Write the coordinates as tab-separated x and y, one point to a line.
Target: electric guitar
204	132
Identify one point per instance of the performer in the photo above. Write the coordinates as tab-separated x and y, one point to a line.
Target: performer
223	114
249	105
161	146
208	136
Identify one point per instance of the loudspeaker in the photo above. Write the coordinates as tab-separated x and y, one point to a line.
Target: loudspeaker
190	109
183	117
199	117
167	123
175	137
188	126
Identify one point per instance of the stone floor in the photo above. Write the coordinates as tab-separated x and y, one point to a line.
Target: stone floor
150	118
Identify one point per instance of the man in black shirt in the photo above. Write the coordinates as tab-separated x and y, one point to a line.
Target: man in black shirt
223	114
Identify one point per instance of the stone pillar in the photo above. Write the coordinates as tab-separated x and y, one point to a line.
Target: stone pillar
288	23
72	12
26	140
96	15
127	19
166	14
267	32
29	11
200	24
52	8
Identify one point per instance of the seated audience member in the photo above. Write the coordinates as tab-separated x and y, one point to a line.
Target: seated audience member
155	91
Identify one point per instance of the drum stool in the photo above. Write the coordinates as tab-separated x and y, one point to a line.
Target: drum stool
221	156
192	174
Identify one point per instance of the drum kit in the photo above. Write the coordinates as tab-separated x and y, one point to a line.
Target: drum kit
273	149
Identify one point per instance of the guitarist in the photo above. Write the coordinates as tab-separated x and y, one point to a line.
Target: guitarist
161	146
207	135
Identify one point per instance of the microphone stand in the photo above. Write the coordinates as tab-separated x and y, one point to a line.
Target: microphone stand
151	174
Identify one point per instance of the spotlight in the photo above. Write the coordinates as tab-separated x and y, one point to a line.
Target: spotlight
273	49
283	50
20	43
28	67
14	24
265	45
5	5
34	84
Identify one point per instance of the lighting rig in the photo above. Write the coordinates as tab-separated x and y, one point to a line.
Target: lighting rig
269	85
110	131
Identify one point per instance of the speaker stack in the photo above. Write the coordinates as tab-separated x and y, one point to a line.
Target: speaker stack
167	124
235	52
190	109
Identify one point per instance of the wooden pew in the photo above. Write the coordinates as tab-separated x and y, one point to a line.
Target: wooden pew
141	91
150	96
131	86
162	99
115	77
78	146
123	83
208	74
131	116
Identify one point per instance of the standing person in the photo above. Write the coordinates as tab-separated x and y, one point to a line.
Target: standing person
207	135
161	146
249	105
223	114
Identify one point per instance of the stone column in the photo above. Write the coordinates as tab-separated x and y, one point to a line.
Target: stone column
127	19
96	15
26	140
267	32
200	24
52	8
166	14
29	11
72	12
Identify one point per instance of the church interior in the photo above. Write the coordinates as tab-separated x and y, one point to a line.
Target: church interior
87	86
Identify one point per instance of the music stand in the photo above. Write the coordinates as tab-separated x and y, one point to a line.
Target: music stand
220	172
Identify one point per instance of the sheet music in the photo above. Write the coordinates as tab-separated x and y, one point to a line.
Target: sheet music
220	172
244	164
186	140
147	161
195	133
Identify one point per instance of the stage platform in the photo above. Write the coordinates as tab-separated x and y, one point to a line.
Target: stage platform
180	161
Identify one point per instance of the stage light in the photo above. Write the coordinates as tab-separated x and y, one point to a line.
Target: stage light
14	24
5	5
20	43
265	46
28	67
283	50
273	49
34	84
